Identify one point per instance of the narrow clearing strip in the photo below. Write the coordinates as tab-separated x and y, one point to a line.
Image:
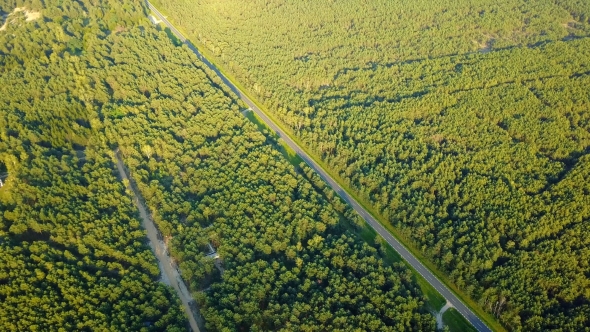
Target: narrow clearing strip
170	275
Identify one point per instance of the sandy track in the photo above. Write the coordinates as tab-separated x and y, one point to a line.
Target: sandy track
170	275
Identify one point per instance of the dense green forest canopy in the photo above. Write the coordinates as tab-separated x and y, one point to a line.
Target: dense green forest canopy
466	124
72	252
210	177
81	78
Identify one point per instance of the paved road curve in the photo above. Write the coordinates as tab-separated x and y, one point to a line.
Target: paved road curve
406	255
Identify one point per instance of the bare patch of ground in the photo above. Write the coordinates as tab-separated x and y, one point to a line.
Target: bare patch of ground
119	28
5	19
485	45
30	15
571	24
571	27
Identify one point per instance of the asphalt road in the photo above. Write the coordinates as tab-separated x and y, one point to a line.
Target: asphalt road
170	275
404	253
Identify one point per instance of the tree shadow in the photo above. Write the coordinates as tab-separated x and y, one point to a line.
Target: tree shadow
170	34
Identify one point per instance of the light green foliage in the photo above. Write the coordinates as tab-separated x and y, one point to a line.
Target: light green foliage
89	77
464	123
72	253
214	178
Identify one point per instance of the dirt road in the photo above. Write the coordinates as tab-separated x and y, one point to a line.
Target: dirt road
170	275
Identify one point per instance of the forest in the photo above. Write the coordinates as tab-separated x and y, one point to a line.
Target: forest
464	124
73	256
210	177
79	79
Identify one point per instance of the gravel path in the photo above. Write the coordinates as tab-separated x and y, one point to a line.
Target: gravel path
170	275
439	321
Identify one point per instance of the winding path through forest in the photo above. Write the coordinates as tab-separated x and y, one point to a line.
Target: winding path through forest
395	244
170	275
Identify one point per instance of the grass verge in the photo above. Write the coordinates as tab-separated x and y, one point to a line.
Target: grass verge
456	322
281	145
435	300
484	316
487	318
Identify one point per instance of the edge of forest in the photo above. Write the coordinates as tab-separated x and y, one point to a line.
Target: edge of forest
486	317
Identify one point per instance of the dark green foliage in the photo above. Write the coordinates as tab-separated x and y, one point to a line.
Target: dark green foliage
464	123
72	255
72	252
210	177
89	76
334	285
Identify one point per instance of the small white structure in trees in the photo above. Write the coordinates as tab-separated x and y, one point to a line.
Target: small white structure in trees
155	20
212	252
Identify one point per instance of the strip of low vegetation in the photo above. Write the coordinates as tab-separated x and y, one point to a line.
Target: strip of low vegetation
473	148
